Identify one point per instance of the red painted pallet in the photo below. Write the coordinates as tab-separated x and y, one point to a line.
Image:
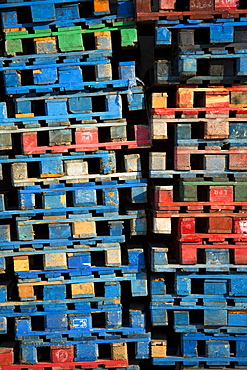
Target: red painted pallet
211	229
194	99
200	227
62	365
220	198
212	158
198	9
86	139
188	252
203	112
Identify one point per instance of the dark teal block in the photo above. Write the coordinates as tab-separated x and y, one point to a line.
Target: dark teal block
80	104
67	11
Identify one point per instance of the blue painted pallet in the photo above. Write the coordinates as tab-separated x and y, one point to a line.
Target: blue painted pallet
234	285
72	168
221	361
211	313
100	243
108	298
216	348
49	74
207	349
218	321
59	109
77	264
161	301
55	257
213	68
85	197
83	273
233	367
198	32
236	135
74	323
57	325
92	244
215	260
173	267
77	287
83	226
51	38
87	349
213	318
194	174
65	11
62	13
81	306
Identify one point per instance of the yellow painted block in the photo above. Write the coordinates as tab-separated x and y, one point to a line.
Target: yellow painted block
158	348
23	115
55	260
119	351
159	100
25	291
82	289
21	263
84	228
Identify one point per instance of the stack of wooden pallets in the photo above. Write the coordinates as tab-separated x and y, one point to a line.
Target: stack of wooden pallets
72	188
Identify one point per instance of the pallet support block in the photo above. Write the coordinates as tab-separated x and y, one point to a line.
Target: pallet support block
119	351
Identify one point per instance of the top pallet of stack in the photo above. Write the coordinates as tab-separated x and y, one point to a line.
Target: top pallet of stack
66	10
147	10
44	28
